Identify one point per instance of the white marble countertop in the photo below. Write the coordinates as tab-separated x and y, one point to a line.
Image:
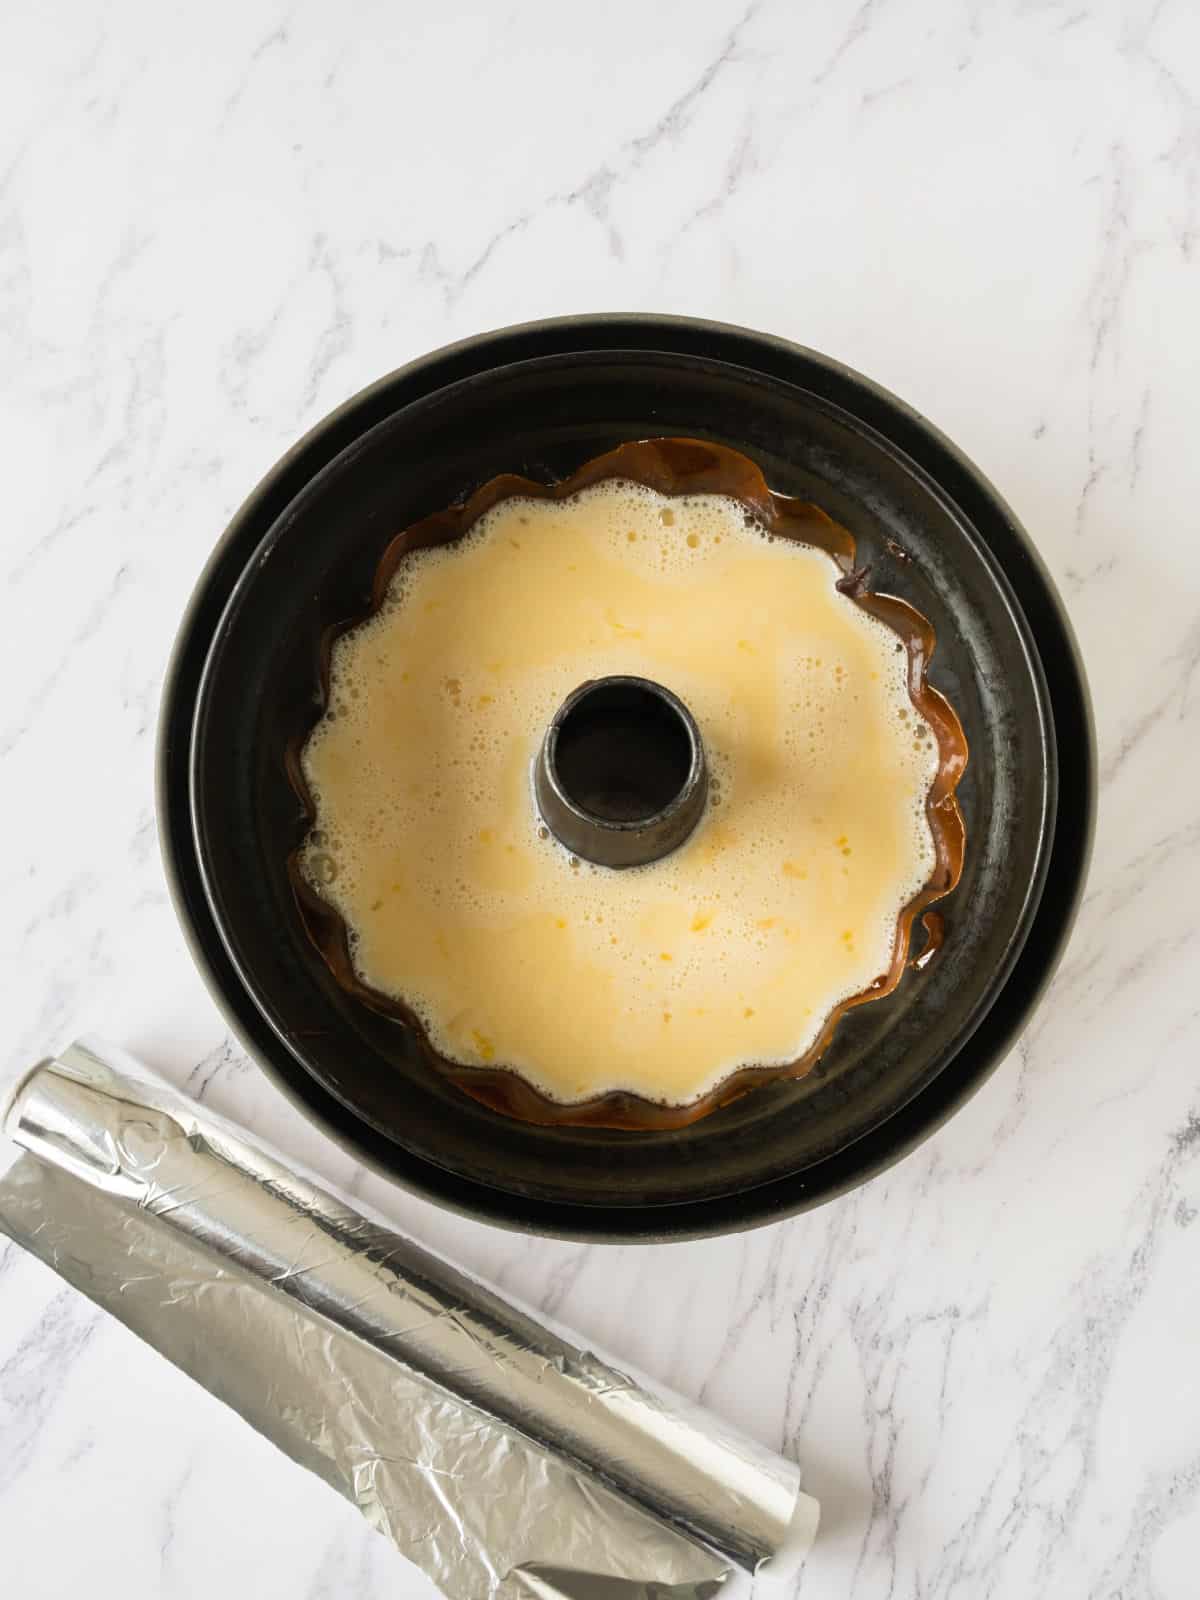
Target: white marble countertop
216	223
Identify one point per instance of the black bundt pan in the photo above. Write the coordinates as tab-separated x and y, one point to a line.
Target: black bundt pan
539	400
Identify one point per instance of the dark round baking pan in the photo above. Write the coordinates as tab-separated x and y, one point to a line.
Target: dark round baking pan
538	401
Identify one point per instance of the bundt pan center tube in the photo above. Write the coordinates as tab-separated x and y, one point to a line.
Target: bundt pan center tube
620	777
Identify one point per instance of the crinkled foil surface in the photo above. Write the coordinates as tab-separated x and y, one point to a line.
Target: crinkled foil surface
498	1456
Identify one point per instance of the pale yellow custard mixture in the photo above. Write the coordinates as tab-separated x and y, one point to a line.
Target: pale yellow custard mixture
659	979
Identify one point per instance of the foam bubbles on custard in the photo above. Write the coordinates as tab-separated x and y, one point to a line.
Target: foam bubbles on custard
663	978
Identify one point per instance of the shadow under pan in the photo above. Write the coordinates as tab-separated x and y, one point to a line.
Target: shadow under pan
538	401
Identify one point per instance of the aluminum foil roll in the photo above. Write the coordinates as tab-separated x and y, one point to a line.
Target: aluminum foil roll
499	1456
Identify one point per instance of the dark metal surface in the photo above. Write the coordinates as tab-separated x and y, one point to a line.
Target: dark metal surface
621	778
934	532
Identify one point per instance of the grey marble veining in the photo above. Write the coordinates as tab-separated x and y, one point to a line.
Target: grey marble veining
214	225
